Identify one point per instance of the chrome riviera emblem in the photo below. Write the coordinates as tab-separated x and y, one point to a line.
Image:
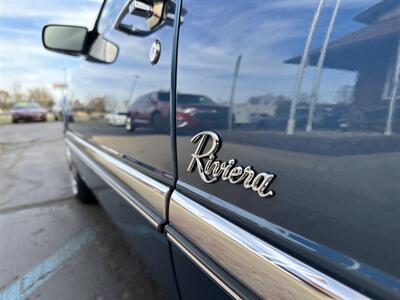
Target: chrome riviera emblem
212	170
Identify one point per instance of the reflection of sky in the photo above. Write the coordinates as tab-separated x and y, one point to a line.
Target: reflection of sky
115	81
266	33
22	56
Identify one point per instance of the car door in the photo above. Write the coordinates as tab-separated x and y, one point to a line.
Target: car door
298	198
131	173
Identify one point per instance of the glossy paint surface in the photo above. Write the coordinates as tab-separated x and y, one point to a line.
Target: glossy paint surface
311	86
101	93
152	246
98	102
193	283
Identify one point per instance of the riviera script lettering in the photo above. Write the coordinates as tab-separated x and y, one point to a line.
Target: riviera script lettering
211	170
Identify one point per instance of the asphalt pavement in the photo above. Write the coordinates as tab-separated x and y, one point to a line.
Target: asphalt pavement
51	246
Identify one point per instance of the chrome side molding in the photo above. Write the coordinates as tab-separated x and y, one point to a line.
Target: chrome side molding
262	268
145	194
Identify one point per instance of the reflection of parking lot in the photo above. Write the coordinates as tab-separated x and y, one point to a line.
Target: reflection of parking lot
51	246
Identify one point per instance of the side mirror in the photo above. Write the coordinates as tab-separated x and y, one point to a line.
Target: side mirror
65	39
75	40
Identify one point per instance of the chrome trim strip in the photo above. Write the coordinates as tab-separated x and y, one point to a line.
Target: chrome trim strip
264	269
203	267
149	190
148	196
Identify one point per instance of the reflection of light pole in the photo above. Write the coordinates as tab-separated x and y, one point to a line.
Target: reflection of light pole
317	78
136	78
64	101
291	124
63	87
235	76
393	95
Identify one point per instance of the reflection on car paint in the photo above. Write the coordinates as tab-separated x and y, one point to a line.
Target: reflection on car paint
312	88
305	89
101	97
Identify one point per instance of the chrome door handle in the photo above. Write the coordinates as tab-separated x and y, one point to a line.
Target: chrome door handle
157	14
141	6
153	12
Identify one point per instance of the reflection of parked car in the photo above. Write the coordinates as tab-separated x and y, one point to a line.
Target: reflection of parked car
58	112
192	111
28	111
372	119
149	110
116	118
196	110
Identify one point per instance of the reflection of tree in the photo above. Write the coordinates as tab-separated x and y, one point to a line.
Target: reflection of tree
5	98
38	94
42	96
271	104
17	92
77	105
97	104
255	100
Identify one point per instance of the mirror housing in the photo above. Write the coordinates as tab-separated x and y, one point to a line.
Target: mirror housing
102	50
65	39
77	40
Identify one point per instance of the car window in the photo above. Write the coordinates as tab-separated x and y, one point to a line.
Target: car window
194	99
162	96
26	105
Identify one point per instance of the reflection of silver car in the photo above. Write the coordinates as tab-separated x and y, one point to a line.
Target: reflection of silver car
116	118
58	112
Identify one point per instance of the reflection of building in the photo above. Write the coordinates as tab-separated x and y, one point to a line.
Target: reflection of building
370	51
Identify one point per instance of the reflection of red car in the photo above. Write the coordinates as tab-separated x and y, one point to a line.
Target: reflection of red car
200	111
28	111
191	111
